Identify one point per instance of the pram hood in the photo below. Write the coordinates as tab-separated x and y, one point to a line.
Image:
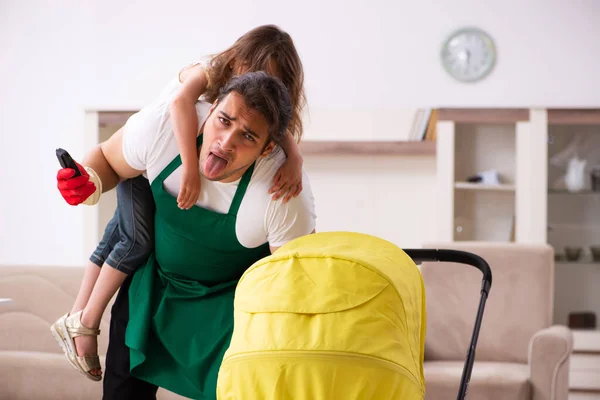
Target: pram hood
323	308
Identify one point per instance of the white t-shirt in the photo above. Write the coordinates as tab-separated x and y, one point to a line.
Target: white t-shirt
149	145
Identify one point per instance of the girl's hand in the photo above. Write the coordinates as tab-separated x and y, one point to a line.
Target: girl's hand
190	188
288	179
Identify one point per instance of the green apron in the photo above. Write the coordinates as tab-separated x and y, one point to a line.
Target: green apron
181	301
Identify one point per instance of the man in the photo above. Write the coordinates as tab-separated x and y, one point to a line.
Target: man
173	318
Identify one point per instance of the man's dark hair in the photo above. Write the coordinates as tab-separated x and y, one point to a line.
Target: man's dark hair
265	94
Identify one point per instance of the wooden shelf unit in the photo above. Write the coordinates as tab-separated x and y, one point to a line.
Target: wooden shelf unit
573	116
483	115
543	214
407	148
471	141
573	221
584	365
503	187
316	147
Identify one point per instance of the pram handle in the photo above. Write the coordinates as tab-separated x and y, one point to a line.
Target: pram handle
457	256
463	257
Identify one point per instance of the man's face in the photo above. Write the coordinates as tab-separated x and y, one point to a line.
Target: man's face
234	137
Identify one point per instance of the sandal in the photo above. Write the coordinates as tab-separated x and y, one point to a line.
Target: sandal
56	332
64	330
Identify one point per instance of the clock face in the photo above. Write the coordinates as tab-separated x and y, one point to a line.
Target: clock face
468	55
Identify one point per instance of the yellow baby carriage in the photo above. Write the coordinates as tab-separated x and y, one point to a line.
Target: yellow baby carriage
335	315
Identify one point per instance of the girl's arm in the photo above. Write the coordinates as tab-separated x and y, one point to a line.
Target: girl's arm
288	179
291	148
185	126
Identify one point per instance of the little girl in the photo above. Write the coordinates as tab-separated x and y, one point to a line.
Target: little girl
129	237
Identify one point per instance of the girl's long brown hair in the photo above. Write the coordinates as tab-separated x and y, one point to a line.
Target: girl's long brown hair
265	48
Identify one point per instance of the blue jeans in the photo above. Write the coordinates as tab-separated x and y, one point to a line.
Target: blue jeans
128	238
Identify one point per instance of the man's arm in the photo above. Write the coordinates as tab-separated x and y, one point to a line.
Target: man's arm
107	160
288	221
125	154
274	249
103	167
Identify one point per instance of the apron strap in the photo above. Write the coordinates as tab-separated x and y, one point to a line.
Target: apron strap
241	190
173	165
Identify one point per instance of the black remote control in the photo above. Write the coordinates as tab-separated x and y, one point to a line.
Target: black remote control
65	160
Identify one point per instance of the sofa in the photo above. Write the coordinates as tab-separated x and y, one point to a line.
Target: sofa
32	365
520	354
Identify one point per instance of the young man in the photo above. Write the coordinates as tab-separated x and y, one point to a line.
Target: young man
173	318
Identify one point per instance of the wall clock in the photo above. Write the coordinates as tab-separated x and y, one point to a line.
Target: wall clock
468	54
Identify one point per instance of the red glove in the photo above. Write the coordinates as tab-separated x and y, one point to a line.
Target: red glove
74	190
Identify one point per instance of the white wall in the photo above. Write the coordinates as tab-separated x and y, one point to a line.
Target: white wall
58	60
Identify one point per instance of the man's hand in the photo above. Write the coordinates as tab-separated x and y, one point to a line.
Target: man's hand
74	190
288	179
190	188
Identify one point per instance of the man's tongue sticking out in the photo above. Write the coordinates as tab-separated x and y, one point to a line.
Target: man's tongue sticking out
214	166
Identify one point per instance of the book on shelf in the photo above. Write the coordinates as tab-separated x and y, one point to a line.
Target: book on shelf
424	125
431	132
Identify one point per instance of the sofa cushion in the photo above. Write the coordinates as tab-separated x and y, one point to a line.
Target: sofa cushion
32	365
41	295
489	380
519	305
26	375
38	375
